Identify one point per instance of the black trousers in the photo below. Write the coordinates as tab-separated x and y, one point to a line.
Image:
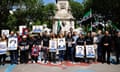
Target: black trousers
117	55
2	58
104	51
24	56
53	57
35	58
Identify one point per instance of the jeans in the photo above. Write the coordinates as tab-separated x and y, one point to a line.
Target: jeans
61	55
14	56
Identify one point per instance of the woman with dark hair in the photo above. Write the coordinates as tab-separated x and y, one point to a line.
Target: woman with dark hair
61	53
80	41
54	48
70	48
45	46
3	55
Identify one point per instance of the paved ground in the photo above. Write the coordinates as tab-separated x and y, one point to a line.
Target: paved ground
66	67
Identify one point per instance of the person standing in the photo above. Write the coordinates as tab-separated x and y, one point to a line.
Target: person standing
38	40
117	47
99	48
80	41
53	52
70	48
45	46
3	55
13	53
88	41
106	47
24	47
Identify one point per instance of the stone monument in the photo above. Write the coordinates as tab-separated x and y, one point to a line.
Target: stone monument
63	15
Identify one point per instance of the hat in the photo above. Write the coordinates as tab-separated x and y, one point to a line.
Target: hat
24	36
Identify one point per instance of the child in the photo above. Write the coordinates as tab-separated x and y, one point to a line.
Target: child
35	53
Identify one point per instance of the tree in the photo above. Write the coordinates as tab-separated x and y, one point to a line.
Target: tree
76	9
108	8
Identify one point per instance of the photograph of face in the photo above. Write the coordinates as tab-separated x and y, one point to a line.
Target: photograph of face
90	52
12	43
79	51
5	32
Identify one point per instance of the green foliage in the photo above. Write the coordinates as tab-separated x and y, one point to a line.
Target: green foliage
11	23
108	8
76	9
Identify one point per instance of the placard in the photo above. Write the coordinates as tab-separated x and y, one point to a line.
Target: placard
79	52
61	44
3	47
52	45
5	32
21	29
12	43
37	29
90	51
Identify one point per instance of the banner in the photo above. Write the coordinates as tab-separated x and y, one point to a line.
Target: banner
5	32
3	47
61	44
90	51
12	43
52	45
37	29
21	29
79	53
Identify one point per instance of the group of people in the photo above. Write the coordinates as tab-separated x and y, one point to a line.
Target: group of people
35	48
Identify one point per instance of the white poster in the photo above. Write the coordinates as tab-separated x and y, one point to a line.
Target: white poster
21	29
5	32
52	45
90	51
79	53
12	43
61	44
3	47
37	29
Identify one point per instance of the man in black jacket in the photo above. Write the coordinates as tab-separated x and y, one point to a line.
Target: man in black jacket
117	47
106	47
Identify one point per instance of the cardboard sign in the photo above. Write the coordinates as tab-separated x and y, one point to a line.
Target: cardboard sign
90	51
52	45
37	29
79	53
5	32
21	29
3	47
61	44
12	43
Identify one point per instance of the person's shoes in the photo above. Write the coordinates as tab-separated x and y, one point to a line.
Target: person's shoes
34	62
108	63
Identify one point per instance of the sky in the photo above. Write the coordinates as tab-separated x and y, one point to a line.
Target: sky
53	1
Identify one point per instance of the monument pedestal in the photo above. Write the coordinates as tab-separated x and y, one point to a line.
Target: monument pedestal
63	16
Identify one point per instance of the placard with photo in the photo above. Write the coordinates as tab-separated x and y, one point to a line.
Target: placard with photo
37	29
3	47
12	43
5	32
52	45
90	51
79	52
61	44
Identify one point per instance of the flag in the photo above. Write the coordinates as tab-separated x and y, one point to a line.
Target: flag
114	26
58	27
87	16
